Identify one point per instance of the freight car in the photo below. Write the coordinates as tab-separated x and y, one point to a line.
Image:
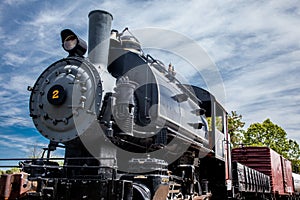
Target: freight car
130	129
267	161
249	183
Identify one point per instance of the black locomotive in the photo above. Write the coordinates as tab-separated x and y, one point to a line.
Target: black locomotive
130	129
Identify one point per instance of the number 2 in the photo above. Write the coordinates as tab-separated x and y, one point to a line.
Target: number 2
55	94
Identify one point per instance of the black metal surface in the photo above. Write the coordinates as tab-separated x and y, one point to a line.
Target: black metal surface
246	179
80	47
99	34
78	87
78	189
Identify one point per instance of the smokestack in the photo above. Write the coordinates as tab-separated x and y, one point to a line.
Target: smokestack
99	33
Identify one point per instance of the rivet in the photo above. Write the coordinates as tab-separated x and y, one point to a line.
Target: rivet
65	120
54	122
45	116
69	71
83	89
82	98
78	76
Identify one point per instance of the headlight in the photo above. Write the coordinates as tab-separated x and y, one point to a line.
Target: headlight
73	44
70	42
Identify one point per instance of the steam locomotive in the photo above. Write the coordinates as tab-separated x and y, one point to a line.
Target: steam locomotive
130	129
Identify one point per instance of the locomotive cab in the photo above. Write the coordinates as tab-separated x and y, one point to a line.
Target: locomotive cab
215	167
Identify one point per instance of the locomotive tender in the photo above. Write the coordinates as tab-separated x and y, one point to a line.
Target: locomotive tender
130	129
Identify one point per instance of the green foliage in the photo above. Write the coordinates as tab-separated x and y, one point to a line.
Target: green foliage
12	170
235	128
296	166
267	134
294	155
294	151
273	136
219	123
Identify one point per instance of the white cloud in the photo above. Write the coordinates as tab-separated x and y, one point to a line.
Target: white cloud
13	59
19	83
269	89
14	99
25	145
17	2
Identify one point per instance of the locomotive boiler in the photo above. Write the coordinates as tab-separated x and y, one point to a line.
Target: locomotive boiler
130	129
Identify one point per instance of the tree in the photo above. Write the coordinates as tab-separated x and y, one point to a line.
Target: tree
35	151
294	150
273	136
296	166
235	128
294	155
267	134
12	170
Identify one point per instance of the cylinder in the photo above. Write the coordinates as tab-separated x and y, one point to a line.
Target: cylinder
99	34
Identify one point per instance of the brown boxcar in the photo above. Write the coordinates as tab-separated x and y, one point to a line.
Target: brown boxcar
269	162
13	186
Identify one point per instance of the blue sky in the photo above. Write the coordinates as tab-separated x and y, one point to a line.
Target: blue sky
254	44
